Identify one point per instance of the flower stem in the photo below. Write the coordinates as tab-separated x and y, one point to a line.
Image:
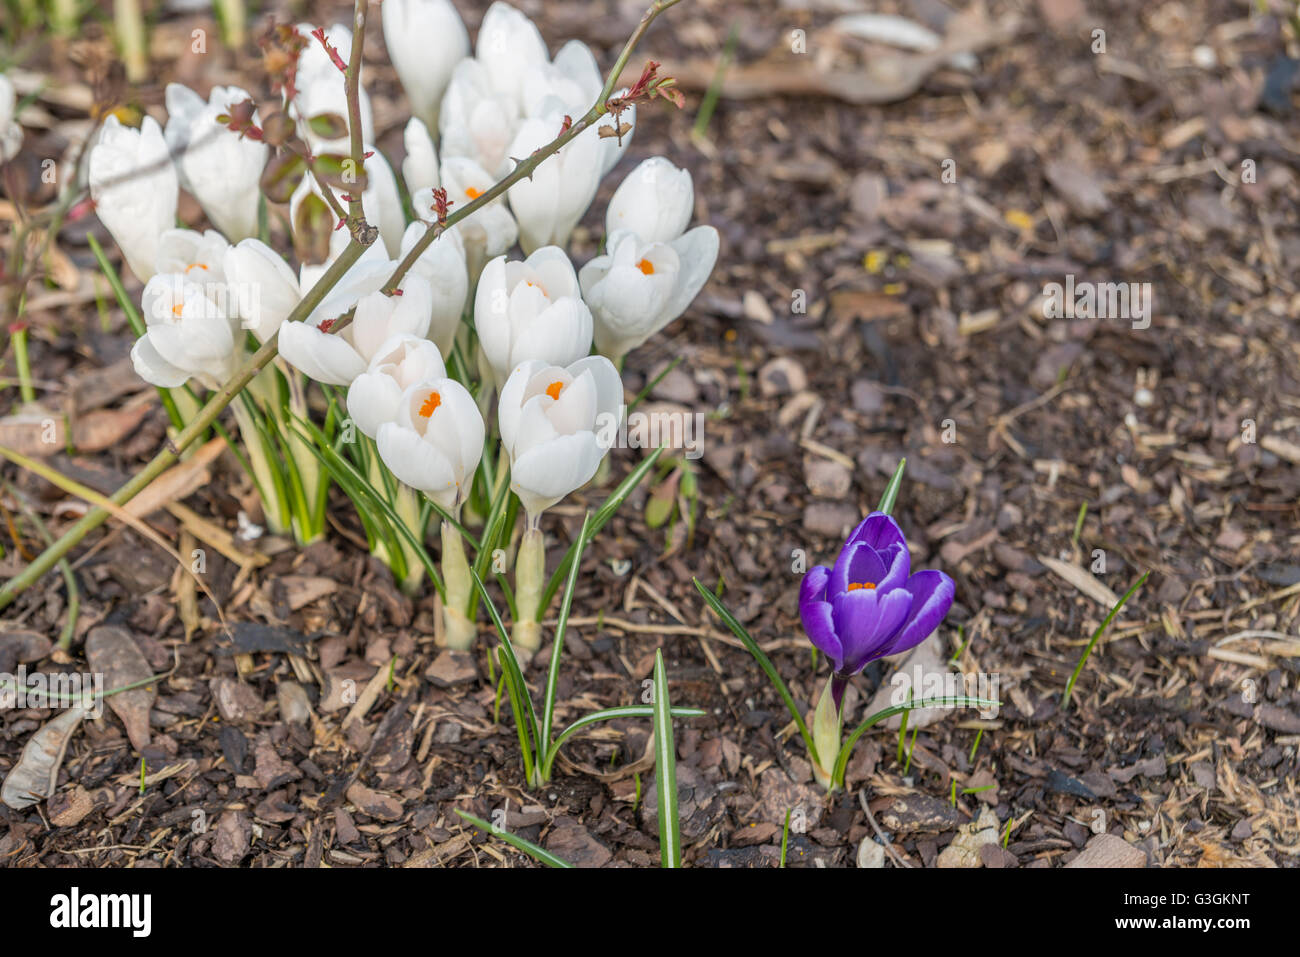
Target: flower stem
530	578
460	629
25	387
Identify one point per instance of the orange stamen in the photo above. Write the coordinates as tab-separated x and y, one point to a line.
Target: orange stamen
178	309
646	266
853	586
473	193
553	390
431	403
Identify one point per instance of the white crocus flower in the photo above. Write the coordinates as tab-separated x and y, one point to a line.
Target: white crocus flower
436	440
337	358
574	80
262	288
443	266
425	40
199	257
218	166
509	45
487	232
320	88
550	202
654	201
477	121
531	310
187	335
420	167
637	288
11	133
134	186
434	445
375	396
556	424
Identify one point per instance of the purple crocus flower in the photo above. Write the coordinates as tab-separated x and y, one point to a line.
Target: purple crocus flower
869	605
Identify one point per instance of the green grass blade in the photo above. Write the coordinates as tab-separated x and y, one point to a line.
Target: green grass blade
670	834
557	647
515	841
890	495
649	386
511	664
1096	636
764	662
609	714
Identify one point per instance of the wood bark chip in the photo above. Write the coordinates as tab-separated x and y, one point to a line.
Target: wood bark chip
112	652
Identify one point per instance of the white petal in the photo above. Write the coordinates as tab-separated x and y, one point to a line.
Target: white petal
550	471
323	356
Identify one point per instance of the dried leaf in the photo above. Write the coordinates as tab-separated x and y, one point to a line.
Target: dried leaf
34	777
112	652
1083	580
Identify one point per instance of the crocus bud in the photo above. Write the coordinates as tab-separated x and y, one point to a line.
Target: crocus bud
637	288
425	40
509	45
11	133
263	289
654	201
531	310
574	80
420	167
550	202
477	121
134	186
187	335
219	167
436	441
556	425
375	396
337	358
443	266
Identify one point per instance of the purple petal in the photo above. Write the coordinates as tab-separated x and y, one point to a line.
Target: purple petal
899	562
815	613
858	563
865	620
879	531
932	594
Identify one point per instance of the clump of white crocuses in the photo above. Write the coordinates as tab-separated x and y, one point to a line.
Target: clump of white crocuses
464	374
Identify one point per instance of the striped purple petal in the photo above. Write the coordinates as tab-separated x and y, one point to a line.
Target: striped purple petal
932	593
